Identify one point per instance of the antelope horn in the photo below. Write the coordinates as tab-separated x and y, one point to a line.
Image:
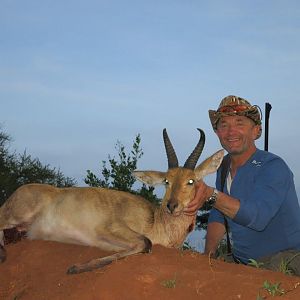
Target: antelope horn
171	155
193	158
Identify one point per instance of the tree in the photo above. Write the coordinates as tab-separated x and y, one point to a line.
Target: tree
202	216
117	173
16	170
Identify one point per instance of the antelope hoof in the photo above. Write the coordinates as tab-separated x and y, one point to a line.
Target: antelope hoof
148	246
73	270
2	254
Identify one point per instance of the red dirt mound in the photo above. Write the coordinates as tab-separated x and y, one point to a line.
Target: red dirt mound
37	270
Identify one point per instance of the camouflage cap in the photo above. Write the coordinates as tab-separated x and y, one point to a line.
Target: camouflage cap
233	105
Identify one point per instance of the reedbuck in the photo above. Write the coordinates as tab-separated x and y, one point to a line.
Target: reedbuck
111	220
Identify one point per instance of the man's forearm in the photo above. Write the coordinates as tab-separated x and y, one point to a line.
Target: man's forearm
229	206
215	232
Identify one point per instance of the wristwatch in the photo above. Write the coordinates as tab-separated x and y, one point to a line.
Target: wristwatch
213	198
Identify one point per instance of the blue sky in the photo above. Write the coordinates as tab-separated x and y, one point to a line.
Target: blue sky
76	76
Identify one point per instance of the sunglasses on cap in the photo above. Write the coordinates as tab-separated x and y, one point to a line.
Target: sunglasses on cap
233	108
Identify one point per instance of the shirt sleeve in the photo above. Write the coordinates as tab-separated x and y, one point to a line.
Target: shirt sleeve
215	216
269	191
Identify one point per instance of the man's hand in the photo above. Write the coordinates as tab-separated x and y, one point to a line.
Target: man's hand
203	192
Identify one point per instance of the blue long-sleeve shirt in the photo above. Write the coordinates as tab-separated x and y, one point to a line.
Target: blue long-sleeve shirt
268	220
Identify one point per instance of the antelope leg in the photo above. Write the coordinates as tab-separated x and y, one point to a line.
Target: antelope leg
140	245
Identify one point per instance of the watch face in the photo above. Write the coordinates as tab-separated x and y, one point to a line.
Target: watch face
212	199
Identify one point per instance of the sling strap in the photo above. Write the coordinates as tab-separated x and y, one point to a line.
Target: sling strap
224	170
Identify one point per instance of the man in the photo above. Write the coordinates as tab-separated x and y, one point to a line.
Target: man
259	199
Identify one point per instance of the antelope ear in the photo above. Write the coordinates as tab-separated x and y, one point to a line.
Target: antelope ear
150	177
210	165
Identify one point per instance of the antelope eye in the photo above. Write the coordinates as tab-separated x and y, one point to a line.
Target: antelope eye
191	181
166	181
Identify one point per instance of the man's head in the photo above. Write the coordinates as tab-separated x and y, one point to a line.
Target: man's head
237	124
233	105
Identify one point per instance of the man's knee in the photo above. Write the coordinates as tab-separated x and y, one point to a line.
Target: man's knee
287	262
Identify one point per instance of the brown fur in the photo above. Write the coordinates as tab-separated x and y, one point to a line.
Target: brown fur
111	220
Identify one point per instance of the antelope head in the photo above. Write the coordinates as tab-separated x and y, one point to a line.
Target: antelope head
180	181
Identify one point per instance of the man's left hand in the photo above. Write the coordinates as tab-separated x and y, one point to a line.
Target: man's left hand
203	192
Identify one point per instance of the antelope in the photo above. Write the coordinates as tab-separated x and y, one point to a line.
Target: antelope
111	220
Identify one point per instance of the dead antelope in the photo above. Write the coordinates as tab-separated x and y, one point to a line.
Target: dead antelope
111	220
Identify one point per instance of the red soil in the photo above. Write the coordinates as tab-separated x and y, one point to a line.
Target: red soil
37	270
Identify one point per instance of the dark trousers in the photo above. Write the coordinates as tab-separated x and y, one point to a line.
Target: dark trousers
287	262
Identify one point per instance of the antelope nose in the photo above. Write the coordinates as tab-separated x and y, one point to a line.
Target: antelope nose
171	205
